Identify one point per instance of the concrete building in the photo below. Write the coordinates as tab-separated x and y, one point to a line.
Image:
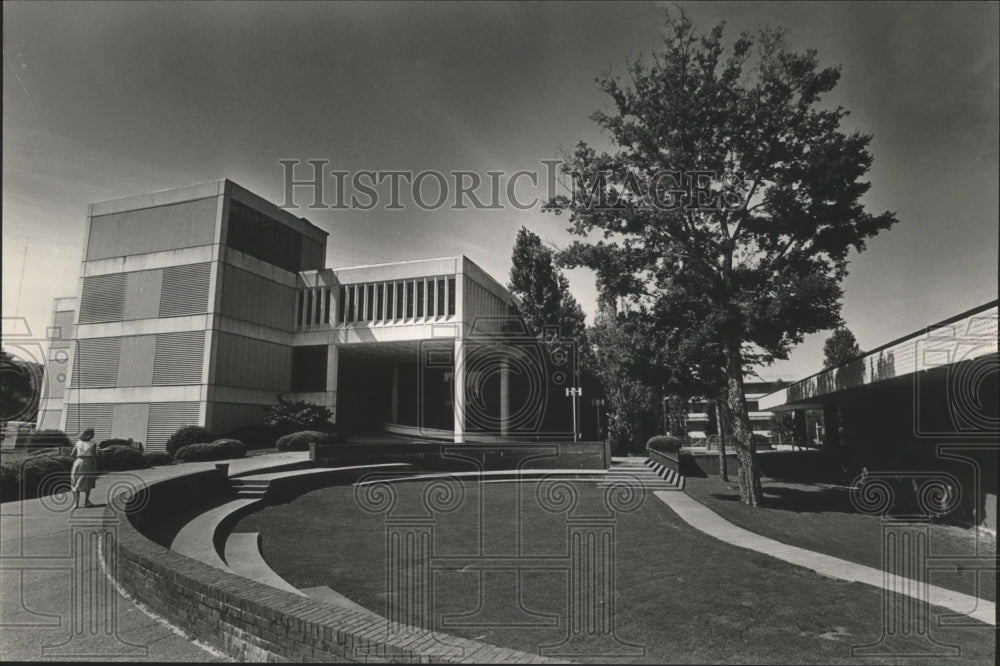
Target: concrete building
925	403
698	416
201	305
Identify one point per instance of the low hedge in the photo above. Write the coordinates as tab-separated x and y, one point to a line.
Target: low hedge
220	449
9	480
60	451
119	458
117	441
157	458
35	476
255	436
188	435
665	443
300	441
49	437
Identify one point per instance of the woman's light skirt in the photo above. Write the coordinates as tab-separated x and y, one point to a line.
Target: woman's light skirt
83	476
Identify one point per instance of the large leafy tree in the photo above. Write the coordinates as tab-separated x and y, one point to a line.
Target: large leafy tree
622	348
20	388
840	348
731	184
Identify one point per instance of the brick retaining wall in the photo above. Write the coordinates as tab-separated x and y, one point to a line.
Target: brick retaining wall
449	457
249	621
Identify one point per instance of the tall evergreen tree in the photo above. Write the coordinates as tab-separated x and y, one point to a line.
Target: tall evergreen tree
545	303
840	348
542	289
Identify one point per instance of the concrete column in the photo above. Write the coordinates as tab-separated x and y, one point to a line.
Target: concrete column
332	364
504	396
395	392
831	425
458	390
799	435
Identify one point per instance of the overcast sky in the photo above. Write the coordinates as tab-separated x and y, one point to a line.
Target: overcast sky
103	101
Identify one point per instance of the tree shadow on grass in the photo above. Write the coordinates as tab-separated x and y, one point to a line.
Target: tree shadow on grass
799	500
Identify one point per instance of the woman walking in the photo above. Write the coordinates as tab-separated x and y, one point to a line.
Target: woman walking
84	473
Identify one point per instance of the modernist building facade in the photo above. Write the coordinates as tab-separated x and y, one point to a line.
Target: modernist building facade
924	405
202	305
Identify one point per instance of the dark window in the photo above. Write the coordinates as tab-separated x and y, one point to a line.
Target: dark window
309	307
370	303
752	406
399	301
302	308
309	368
451	295
409	299
351	294
420	299
439	310
328	294
263	237
343	305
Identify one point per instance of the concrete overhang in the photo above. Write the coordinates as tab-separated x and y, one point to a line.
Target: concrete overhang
964	337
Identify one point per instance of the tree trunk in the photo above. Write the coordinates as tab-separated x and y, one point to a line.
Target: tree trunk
746	453
720	419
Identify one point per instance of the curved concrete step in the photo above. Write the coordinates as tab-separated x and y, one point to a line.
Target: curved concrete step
197	538
244	558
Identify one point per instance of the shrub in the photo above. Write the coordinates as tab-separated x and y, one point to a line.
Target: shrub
290	416
157	458
49	437
221	449
188	435
58	451
255	436
9	481
665	444
119	458
234	447
300	441
333	429
116	441
34	476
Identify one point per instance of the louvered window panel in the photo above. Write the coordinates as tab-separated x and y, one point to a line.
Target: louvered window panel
103	298
178	358
96	362
89	415
166	418
184	290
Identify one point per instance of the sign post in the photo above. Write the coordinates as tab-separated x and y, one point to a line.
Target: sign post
574	392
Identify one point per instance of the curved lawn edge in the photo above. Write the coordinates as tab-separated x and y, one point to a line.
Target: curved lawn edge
819	517
702	518
250	621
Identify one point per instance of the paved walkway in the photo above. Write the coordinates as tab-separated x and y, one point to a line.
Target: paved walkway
700	517
48	558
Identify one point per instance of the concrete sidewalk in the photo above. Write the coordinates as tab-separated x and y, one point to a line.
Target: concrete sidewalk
705	520
56	603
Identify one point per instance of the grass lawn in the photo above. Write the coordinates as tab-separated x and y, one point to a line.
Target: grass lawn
682	596
820	517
